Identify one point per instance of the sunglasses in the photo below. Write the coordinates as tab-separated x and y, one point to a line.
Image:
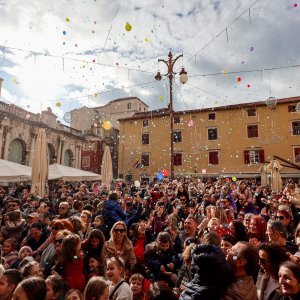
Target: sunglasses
279	218
58	241
119	230
56	228
263	261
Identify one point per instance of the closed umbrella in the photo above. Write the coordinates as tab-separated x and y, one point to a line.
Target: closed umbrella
264	175
39	175
106	168
275	167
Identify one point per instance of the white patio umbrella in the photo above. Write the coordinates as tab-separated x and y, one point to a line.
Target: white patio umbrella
39	176
57	171
106	167
13	172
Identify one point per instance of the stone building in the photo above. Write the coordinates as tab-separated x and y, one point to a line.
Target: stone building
18	132
231	141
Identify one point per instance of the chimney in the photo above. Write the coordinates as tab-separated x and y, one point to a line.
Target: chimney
1	79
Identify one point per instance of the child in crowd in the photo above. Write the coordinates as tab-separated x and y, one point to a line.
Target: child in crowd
10	252
95	267
136	282
119	288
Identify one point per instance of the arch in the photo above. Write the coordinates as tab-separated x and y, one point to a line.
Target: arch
16	152
51	154
68	158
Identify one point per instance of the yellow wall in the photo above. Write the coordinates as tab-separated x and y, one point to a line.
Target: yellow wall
275	137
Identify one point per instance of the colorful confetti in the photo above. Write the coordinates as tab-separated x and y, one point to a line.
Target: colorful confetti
67	20
161	98
239	79
64	32
128	27
58	104
191	123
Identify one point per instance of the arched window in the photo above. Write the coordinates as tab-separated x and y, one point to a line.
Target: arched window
68	158
17	151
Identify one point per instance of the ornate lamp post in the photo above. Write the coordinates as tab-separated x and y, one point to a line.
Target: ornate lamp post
183	79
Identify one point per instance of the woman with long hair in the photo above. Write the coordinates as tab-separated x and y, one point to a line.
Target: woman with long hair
71	264
119	245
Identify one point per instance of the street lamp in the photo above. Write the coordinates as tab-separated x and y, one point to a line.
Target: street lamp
183	79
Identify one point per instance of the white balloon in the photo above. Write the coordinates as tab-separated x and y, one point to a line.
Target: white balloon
137	184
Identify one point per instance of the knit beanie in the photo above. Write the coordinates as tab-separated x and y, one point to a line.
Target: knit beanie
23	248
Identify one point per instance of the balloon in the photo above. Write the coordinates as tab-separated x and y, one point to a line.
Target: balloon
159	176
233	178
161	98
137	184
106	125
67	20
58	104
191	123
165	173
128	27
227	179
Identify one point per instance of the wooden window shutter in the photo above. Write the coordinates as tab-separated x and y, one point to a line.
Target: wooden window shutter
246	157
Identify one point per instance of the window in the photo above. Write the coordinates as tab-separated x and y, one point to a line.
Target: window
129	105
177	136
292	108
176	119
211	116
252	131
297	155
145	159
296	128
251	112
254	157
86	161
212	133
145	138
145	123
213	157
177	159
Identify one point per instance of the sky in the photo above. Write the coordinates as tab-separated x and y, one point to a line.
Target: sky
66	54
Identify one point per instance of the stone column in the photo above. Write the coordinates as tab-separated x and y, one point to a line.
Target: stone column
7	142
32	146
79	156
59	151
1	140
62	152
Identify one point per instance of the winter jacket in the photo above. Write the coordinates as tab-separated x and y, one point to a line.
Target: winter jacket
109	250
12	230
242	289
155	258
112	212
211	274
11	258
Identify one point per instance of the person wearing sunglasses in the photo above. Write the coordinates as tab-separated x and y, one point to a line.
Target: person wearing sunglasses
119	245
284	215
270	258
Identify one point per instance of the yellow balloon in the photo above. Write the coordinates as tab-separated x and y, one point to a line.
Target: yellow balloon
233	178
58	104
106	125
161	98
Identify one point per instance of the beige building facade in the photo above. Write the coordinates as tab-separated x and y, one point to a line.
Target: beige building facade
231	141
18	133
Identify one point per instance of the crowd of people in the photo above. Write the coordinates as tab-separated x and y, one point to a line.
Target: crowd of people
182	239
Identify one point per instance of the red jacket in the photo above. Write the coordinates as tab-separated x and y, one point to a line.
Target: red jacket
74	274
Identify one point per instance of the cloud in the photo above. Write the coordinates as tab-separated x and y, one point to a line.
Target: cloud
100	49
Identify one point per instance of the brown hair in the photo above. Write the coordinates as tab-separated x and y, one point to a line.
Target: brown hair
95	288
